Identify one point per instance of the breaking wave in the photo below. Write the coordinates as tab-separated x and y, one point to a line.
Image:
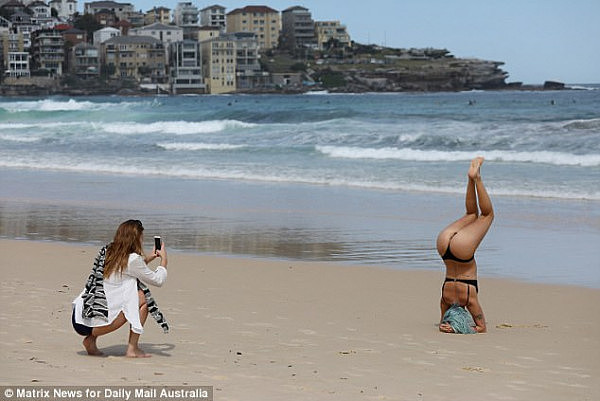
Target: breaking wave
407	154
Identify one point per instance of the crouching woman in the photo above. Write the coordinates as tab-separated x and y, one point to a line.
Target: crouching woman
115	292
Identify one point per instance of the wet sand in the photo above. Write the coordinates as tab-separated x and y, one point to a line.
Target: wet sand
535	240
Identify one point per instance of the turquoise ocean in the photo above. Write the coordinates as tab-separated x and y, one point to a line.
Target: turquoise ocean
363	178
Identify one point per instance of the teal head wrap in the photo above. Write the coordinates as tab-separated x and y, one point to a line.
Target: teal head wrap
460	319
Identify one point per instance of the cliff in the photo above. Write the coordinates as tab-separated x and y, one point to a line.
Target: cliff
412	75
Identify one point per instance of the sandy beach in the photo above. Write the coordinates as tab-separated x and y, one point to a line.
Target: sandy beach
286	330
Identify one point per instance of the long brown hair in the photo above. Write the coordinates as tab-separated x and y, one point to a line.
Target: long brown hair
128	239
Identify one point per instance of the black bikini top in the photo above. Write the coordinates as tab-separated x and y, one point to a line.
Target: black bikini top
449	255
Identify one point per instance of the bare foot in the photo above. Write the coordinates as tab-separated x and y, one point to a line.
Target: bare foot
475	168
136	353
446	328
89	343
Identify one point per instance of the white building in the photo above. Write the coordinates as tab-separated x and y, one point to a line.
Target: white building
185	15
165	33
102	35
41	14
213	16
18	64
186	67
64	8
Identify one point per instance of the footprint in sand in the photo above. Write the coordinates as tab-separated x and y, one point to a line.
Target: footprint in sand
475	369
521	326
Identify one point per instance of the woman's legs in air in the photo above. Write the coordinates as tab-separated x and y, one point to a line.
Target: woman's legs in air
471	213
468	238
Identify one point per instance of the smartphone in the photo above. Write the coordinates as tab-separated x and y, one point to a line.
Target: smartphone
157	242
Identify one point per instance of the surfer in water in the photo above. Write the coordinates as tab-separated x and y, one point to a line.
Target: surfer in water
457	244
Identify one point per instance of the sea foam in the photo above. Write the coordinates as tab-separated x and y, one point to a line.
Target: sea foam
58	105
408	154
192	146
174	127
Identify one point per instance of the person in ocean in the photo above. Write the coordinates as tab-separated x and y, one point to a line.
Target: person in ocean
115	292
460	308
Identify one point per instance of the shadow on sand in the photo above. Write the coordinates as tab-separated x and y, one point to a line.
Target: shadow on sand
119	350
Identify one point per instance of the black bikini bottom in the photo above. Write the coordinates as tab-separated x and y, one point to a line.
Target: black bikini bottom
460	280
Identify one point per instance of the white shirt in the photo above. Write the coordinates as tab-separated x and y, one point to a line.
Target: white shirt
122	294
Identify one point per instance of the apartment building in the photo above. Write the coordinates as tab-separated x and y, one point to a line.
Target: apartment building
167	34
248	70
185	64
331	30
119	9
263	21
64	8
106	17
207	33
102	35
161	15
48	51
17	64
84	60
16	59
185	15
25	27
74	36
135	18
41	14
297	28
219	64
139	57
214	16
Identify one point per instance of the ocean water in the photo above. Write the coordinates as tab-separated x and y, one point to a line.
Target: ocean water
366	177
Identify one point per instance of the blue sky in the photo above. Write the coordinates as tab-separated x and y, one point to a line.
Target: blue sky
537	39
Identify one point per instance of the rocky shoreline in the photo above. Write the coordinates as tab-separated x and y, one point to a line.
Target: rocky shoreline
437	75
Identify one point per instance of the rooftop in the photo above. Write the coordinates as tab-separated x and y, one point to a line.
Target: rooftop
159	27
295	8
133	40
159	9
254	9
106	4
213	6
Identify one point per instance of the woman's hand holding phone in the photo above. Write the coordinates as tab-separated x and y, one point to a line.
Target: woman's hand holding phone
160	250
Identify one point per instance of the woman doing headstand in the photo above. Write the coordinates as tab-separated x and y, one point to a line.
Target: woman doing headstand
457	244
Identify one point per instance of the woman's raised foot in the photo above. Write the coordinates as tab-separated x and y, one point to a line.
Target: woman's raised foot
475	168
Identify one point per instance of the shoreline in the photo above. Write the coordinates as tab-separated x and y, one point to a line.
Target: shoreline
30	92
304	223
267	329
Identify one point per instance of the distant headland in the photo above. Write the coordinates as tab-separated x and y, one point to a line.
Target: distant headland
112	48
369	69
